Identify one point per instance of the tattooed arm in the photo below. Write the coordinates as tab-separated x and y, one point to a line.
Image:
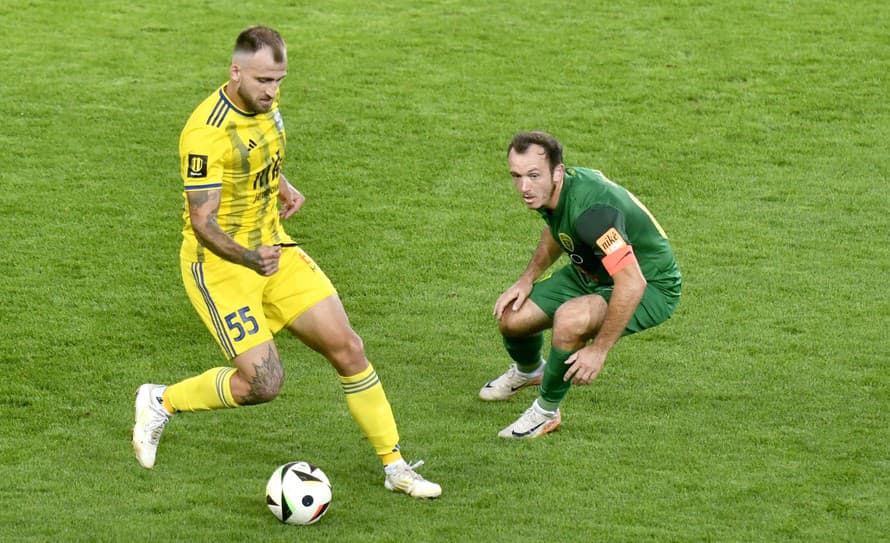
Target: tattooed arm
203	207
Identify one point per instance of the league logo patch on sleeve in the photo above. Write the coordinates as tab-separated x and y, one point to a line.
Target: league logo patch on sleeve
197	166
611	241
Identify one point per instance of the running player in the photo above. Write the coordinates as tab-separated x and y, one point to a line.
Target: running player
622	279
246	277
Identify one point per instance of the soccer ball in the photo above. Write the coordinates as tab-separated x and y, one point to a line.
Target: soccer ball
298	493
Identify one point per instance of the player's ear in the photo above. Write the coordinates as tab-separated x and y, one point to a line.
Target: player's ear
235	73
559	172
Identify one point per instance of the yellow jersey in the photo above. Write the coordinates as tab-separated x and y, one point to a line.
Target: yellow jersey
241	154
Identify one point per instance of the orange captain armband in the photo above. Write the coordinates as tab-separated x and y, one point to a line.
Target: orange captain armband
619	259
618	252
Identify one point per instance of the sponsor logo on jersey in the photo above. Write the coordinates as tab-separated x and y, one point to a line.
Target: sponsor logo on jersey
567	242
611	241
197	166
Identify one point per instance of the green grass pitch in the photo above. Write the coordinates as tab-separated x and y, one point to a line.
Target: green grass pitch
755	131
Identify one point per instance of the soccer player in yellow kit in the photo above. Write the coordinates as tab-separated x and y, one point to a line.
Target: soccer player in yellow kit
246	277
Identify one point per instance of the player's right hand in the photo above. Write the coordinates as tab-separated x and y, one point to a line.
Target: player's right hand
264	260
515	295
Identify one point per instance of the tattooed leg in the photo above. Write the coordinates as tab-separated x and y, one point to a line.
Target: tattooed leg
260	375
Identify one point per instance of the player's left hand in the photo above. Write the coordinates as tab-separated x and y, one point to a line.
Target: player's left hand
584	365
291	199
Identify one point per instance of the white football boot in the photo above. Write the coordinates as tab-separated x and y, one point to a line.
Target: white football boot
511	382
151	417
533	423
401	477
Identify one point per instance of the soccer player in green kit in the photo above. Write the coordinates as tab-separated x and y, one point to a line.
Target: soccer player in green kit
622	279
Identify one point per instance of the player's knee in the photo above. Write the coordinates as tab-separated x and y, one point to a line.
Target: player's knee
347	347
348	354
270	390
355	346
511	326
265	384
262	393
572	323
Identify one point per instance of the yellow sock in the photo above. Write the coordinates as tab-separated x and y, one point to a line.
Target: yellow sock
210	390
370	409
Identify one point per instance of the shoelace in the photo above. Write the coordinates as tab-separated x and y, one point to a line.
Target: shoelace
513	377
156	434
412	467
156	426
532	416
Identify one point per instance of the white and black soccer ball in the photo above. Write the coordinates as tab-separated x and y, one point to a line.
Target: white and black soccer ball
298	493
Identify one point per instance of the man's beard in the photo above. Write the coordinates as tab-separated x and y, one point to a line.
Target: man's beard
252	105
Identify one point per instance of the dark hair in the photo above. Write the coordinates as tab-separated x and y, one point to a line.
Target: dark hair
523	140
256	37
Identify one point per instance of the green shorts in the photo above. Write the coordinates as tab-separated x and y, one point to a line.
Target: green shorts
659	300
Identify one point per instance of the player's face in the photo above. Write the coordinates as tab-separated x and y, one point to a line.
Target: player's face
258	78
532	178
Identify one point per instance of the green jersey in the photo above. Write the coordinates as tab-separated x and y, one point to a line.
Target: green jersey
596	218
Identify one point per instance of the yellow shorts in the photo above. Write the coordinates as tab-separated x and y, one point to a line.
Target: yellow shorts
242	308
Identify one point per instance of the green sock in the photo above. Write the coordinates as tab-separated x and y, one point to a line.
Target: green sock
525	351
553	388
